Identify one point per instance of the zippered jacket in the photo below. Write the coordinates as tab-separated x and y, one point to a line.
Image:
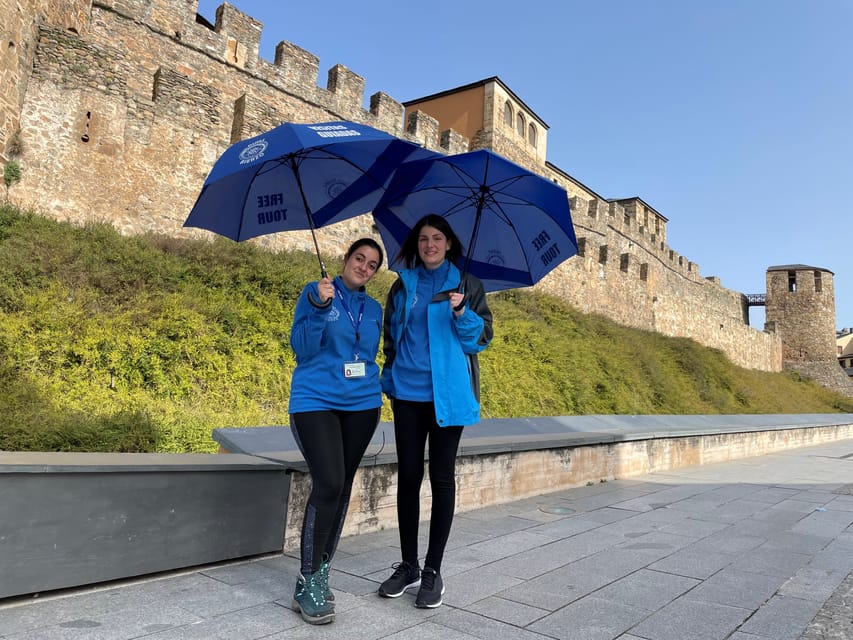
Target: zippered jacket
454	343
323	339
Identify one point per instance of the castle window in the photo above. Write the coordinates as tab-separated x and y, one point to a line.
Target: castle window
792	281
818	284
519	123
531	135
644	271
507	114
582	249
602	254
624	261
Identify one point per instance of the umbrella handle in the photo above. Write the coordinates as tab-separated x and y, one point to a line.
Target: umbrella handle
317	303
461	305
461	289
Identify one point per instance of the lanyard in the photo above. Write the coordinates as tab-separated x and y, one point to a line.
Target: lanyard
355	323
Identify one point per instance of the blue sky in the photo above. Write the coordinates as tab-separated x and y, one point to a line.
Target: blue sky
732	118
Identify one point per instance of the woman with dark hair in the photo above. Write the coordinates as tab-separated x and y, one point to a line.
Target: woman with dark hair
335	400
436	322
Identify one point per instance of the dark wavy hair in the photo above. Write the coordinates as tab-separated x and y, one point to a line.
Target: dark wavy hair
365	242
409	249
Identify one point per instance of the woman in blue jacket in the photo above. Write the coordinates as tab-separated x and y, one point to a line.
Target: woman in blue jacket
335	400
434	330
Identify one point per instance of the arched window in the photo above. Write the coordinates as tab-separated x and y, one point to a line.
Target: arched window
507	114
519	124
531	135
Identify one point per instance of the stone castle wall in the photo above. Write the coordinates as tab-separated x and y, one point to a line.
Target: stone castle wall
632	277
118	109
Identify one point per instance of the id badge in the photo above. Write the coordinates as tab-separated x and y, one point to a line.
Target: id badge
354	369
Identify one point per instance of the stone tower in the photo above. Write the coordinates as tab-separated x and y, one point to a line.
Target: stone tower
801	306
801	309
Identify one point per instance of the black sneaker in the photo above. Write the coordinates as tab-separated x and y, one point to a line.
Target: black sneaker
406	576
432	588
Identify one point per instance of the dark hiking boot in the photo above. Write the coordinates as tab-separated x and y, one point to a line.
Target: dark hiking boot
309	599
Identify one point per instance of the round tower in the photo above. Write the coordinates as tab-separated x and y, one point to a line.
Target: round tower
801	308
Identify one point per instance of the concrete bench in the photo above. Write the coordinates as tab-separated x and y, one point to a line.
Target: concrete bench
70	519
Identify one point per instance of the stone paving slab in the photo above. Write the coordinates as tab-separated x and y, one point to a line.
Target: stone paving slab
754	549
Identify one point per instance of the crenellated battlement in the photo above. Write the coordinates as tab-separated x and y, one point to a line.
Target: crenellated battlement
234	40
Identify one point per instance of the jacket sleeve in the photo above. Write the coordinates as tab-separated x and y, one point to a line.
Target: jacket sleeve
474	329
389	348
308	333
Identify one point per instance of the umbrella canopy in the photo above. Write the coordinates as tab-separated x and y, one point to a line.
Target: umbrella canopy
517	224
299	176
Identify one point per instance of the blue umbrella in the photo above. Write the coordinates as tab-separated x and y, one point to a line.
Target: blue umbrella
299	176
517	224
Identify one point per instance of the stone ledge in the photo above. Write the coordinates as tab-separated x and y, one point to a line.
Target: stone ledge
503	460
497	435
485	479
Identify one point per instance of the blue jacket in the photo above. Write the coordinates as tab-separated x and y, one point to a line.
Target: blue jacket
323	340
453	345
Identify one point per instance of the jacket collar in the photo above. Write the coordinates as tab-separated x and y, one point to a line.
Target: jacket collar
451	282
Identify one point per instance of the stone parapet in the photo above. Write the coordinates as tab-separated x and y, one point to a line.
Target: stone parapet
503	460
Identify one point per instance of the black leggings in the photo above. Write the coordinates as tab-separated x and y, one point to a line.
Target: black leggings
414	423
332	443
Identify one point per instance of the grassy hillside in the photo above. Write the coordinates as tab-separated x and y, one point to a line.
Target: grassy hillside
110	343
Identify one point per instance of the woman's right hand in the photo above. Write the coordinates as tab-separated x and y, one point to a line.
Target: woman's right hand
326	289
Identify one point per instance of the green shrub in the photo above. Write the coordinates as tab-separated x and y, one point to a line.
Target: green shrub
11	173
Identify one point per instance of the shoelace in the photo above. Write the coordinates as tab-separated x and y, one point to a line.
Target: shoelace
400	569
307	587
317	595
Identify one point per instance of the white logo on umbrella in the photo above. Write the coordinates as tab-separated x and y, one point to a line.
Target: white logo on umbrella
254	151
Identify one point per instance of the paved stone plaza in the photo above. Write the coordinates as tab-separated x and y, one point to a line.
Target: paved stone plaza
755	549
